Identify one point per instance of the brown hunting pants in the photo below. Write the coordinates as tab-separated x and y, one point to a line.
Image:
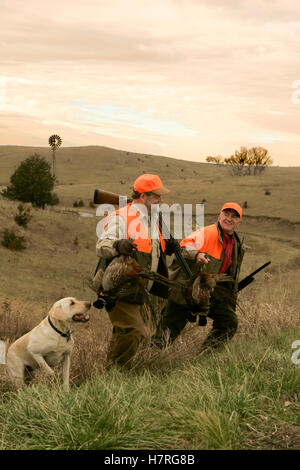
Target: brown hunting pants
130	328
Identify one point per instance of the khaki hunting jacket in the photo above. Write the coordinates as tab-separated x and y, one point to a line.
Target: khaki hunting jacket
116	227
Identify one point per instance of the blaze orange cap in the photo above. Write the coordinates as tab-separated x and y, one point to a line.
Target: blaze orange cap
233	205
149	183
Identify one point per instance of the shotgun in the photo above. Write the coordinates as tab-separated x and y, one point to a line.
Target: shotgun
250	278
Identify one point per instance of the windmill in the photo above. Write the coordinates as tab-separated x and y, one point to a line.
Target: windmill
54	142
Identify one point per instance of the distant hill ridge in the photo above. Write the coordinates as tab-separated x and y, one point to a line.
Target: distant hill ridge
92	159
273	193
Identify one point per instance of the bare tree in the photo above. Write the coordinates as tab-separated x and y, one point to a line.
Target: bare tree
247	162
238	162
259	158
218	160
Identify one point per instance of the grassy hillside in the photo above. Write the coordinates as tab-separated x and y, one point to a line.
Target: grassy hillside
82	169
244	397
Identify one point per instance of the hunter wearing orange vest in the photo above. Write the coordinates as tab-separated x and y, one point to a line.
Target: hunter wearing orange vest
127	232
219	248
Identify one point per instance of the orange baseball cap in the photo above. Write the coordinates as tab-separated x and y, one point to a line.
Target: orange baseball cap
149	183
233	205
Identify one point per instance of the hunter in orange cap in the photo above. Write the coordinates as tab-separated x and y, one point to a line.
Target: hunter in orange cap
230	217
134	231
220	250
149	184
233	205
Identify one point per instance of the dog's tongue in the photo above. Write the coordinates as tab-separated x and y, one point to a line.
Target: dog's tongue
81	317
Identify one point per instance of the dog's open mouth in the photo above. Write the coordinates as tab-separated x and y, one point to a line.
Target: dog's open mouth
83	317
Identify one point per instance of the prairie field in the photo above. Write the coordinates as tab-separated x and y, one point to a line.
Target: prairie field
245	396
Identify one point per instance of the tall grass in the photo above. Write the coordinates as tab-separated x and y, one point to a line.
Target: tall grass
14	322
244	398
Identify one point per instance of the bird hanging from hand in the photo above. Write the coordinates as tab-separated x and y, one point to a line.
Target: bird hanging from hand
199	292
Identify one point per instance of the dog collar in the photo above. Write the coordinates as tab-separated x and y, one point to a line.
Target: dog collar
65	335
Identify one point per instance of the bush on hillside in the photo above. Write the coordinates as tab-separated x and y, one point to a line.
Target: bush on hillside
32	182
13	241
23	215
78	203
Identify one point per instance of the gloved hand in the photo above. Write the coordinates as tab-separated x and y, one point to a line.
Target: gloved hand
171	245
125	247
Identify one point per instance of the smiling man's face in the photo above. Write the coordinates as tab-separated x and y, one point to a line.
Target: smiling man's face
229	220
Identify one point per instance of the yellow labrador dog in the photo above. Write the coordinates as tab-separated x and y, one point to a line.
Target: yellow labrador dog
49	343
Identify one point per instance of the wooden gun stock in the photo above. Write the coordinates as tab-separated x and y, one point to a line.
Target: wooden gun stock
105	197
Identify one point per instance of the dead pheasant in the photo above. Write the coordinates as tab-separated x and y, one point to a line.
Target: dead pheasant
199	292
122	272
123	276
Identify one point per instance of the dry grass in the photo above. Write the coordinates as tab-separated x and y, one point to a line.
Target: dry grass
261	312
15	320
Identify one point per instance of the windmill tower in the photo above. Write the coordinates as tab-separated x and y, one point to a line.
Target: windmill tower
54	142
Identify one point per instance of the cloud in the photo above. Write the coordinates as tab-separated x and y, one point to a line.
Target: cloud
265	138
179	76
112	113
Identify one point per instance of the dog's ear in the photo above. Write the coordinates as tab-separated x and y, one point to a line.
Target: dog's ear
58	313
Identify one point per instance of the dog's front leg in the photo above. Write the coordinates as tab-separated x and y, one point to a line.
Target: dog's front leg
15	371
66	371
42	363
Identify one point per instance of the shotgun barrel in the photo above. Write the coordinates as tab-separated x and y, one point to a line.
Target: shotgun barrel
250	278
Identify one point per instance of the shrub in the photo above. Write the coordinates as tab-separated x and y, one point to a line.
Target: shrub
79	203
13	241
23	216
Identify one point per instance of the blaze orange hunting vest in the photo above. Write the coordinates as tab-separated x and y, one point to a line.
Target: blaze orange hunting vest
205	240
136	230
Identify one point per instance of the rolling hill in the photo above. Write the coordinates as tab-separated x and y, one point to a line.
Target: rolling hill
82	169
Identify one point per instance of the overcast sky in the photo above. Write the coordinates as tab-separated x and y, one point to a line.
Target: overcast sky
179	78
